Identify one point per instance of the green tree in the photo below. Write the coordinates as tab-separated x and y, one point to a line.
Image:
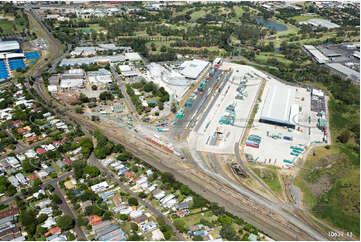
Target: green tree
132	201
180	225
92	171
56	199
134	227
65	222
197	238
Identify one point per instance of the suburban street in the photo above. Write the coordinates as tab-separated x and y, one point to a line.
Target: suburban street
125	94
94	161
282	225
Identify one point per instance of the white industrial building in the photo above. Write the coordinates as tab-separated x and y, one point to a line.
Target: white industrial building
133	57
102	76
192	69
172	81
92	60
9	46
73	78
317	22
280	107
317	55
345	71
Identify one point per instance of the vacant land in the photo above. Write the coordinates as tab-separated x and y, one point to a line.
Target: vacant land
331	187
11	25
269	175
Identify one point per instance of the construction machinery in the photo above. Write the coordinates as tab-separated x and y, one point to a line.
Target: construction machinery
238	170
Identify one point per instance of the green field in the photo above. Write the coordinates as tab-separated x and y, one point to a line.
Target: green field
305	18
198	14
269	175
263	57
332	191
12	27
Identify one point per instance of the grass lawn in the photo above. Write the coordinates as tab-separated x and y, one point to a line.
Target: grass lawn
305	18
269	175
12	25
308	199
338	205
291	29
198	14
264	56
196	218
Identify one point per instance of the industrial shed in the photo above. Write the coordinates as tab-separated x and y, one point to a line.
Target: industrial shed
280	107
316	54
192	69
345	71
9	46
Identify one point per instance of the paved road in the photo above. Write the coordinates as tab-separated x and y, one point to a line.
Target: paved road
298	224
122	88
94	161
64	205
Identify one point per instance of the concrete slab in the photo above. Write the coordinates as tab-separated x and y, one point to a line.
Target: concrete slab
228	135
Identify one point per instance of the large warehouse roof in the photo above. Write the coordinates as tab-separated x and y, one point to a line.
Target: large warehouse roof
321	23
9	45
11	55
279	107
192	69
320	58
348	72
92	60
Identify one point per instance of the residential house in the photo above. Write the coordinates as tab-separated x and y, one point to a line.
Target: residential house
41	151
9	212
94	219
43	204
146	227
141	219
100	187
158	194
85	204
49	223
21	179
14	181
157	235
53	231
13	162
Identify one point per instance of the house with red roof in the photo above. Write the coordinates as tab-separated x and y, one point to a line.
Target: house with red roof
67	161
40	151
128	174
31	139
94	219
53	231
56	144
33	177
17	123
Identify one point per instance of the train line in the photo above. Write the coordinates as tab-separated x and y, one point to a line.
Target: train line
203	183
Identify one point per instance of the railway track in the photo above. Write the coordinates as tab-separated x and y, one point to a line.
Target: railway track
199	181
